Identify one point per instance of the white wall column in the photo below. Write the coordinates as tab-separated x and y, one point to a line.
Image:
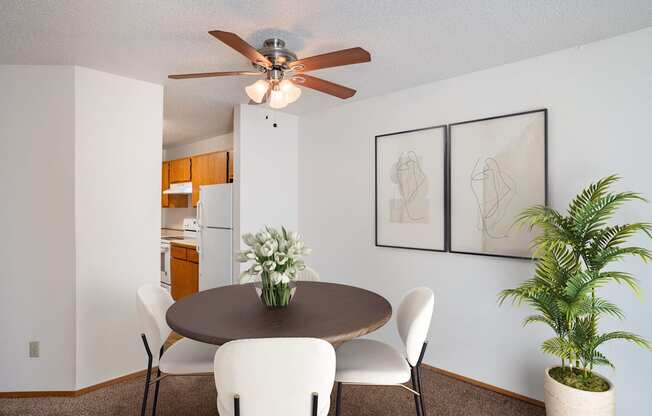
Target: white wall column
266	170
81	165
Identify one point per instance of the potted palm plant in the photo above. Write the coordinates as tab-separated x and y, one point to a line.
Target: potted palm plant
575	253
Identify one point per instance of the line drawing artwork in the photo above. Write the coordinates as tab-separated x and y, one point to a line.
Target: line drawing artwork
493	190
411	204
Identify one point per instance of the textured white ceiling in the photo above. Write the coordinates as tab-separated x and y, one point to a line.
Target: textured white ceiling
411	42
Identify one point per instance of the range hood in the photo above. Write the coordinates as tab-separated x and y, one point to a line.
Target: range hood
182	188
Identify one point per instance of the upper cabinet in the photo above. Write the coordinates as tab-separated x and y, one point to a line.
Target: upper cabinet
180	170
208	169
165	201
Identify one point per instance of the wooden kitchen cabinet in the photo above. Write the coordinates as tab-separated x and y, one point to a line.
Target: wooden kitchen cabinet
184	271
165	182
180	170
192	256
208	169
179	252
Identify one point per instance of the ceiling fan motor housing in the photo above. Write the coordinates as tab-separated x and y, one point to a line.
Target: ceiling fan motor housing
274	49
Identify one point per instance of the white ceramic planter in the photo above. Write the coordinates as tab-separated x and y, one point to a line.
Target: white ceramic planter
562	400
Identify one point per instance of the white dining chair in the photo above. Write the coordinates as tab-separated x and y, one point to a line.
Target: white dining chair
274	377
365	361
308	275
184	358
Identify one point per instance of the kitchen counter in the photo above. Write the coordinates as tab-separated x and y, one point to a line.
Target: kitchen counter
186	242
180	239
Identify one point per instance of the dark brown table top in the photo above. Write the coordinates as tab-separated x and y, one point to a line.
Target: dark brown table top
329	311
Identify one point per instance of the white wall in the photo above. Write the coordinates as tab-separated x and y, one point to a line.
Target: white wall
37	277
173	217
117	204
599	98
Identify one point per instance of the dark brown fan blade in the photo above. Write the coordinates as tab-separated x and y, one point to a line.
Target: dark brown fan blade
329	60
213	74
237	43
323	86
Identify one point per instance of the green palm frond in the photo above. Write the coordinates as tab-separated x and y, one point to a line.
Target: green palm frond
613	254
542	319
516	295
584	331
553	226
601	307
624	277
625	336
556	266
591	193
583	283
597	358
591	217
559	347
618	234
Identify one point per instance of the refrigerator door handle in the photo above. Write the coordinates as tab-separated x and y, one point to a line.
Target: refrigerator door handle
198	248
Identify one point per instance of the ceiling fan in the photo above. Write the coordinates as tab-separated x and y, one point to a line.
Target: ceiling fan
282	69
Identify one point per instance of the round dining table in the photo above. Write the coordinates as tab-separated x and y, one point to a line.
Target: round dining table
330	311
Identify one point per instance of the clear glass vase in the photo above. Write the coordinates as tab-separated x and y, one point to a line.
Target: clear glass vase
273	295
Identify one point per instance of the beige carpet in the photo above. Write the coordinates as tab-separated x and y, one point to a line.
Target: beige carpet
196	396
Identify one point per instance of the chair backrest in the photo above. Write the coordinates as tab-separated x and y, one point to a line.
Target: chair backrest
153	302
274	376
413	320
308	275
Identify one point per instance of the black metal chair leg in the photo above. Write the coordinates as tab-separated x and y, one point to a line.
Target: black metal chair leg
315	403
158	374
236	405
149	375
417	369
338	400
423	404
415	386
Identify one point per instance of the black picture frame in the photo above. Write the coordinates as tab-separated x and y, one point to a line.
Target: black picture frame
446	183
450	185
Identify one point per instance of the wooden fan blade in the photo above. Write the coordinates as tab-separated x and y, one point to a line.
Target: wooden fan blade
331	59
324	86
213	74
237	43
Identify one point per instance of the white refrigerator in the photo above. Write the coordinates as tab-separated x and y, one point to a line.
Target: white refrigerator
214	242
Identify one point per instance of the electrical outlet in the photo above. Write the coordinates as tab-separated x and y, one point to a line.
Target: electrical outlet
34	349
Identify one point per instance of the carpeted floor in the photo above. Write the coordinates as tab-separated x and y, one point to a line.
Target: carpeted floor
195	396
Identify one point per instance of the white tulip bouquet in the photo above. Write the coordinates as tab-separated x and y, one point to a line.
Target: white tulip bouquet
275	257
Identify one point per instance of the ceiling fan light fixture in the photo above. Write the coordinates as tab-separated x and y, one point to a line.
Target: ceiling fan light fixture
291	91
257	90
277	99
